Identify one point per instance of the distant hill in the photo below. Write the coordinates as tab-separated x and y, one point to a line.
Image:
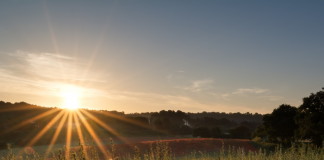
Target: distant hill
237	117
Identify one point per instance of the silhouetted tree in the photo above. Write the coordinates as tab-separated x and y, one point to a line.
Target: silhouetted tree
185	130
158	124
251	125
259	132
280	124
143	121
310	118
216	132
226	122
202	132
240	132
166	122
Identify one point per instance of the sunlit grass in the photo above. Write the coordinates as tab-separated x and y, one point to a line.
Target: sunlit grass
160	150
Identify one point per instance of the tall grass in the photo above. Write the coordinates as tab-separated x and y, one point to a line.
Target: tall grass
161	151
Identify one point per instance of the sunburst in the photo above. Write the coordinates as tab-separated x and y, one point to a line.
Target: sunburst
71	99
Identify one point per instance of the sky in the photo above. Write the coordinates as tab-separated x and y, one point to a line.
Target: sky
146	56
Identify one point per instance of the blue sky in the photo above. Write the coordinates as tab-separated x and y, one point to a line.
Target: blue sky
135	56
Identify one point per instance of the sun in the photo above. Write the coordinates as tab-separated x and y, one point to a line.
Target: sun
71	100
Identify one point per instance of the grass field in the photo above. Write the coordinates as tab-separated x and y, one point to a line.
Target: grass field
168	148
42	149
180	147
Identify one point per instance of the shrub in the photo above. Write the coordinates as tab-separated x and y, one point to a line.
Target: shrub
240	132
216	132
256	139
202	132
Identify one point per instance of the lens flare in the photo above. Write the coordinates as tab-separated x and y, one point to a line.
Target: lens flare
71	100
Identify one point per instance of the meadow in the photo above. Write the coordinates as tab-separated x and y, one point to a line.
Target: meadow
169	148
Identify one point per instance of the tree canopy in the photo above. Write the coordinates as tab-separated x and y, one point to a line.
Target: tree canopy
310	118
288	123
280	123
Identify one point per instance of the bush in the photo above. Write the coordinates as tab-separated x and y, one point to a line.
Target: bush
216	132
185	130
202	132
240	132
256	139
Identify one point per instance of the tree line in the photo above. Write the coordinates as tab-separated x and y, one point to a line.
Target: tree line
159	123
287	124
284	125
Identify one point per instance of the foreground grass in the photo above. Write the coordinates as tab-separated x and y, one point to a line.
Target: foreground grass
161	151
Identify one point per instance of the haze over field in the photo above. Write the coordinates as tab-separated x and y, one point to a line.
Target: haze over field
194	56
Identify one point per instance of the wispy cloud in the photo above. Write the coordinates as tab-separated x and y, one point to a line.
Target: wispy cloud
244	91
199	85
250	90
48	74
39	73
226	96
174	75
272	98
161	101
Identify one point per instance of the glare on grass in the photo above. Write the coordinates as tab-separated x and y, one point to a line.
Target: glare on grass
45	129
91	131
57	132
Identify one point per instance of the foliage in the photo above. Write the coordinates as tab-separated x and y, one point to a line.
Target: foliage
240	132
257	139
216	132
202	132
158	124
174	117
258	142
238	117
279	124
185	130
251	125
310	118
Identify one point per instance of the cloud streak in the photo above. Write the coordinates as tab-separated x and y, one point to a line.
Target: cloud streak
161	101
199	85
48	75
272	98
41	73
174	75
243	92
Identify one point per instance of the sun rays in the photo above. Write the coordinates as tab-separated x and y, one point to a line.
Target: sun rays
72	120
55	125
70	82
